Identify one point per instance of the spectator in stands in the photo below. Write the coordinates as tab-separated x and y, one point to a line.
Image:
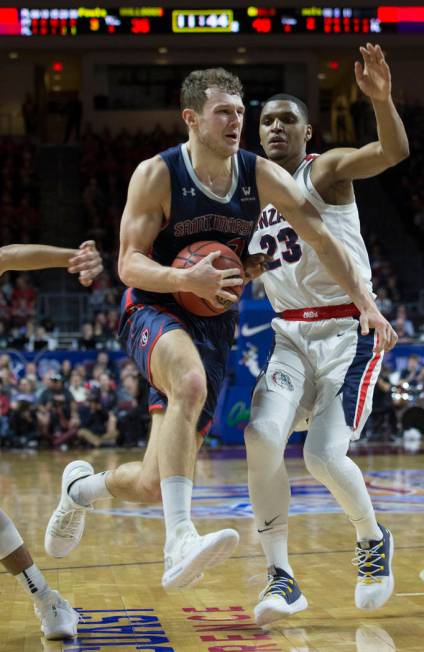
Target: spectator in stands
25	390
107	392
412	373
87	342
402	325
66	370
76	387
6	373
23	423
97	425
57	412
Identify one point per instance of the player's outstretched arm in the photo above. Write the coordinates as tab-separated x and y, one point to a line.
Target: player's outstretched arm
84	261
277	187
148	202
374	79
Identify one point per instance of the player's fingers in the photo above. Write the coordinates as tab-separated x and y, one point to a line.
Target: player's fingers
87	258
393	338
86	282
381	342
212	256
359	72
227	296
233	271
231	282
363	321
87	243
379	54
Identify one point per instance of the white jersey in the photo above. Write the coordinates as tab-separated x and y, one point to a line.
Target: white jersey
296	278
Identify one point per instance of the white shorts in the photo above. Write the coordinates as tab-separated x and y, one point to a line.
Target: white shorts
314	362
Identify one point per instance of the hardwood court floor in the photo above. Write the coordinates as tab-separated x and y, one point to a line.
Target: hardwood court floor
113	577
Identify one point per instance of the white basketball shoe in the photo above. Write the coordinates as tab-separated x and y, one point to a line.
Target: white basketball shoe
66	524
58	619
188	554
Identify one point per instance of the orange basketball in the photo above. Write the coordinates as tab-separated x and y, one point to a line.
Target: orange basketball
191	255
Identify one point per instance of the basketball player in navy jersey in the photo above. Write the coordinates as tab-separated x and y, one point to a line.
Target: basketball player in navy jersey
321	366
204	189
58	619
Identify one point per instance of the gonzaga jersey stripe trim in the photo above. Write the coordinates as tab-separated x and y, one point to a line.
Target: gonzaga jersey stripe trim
365	384
357	381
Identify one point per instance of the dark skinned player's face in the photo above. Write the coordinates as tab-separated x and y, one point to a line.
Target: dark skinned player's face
283	131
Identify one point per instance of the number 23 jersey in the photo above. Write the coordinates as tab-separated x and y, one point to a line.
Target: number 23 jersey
296	277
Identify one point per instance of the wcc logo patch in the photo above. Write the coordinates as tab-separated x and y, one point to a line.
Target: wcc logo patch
144	337
282	380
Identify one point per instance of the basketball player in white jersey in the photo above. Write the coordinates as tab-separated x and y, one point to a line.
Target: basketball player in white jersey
321	366
58	619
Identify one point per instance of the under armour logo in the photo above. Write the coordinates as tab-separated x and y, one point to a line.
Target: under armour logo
188	191
246	190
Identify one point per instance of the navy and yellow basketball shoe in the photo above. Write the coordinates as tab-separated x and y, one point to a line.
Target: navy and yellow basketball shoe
281	597
375	582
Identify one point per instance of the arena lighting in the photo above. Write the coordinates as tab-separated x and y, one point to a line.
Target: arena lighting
260	21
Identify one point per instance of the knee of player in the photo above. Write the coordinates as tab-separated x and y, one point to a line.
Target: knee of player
264	436
191	388
316	462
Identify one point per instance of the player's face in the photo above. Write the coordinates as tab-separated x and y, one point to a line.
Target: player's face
220	123
283	131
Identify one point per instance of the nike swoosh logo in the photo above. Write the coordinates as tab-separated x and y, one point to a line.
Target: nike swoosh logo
249	331
268	523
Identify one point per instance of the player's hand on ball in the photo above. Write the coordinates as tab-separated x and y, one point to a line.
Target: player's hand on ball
208	282
87	263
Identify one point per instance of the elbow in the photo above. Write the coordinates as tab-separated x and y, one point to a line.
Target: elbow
123	272
397	157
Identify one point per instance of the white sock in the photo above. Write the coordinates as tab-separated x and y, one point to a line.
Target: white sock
367	528
176	500
86	490
274	545
34	583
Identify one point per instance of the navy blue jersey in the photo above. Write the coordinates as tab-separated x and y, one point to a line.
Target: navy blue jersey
198	214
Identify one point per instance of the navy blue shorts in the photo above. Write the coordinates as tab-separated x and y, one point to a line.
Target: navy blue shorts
143	324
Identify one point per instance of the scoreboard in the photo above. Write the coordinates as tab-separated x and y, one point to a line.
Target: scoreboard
142	21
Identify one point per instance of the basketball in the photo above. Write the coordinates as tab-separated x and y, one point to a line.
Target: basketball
191	255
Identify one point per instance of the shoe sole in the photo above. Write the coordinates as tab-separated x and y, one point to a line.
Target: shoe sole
271	614
391	584
64	494
188	571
